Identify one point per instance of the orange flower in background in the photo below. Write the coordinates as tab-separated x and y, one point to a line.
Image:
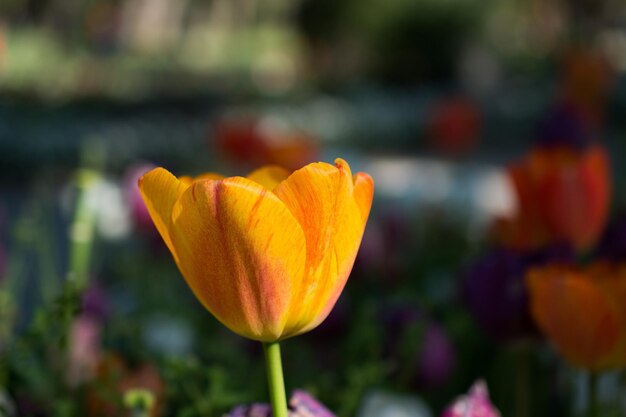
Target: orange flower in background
563	195
582	312
267	255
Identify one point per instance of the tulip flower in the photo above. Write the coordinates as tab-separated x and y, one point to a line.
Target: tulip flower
475	404
582	312
267	255
563	196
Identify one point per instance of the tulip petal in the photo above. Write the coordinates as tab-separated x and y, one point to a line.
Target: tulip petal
187	180
269	176
575	193
363	193
611	279
576	316
160	190
252	254
320	196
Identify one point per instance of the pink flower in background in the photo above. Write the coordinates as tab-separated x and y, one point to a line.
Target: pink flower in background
301	404
84	351
475	404
85	347
139	211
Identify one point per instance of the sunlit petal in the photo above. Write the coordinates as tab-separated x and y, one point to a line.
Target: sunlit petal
160	190
321	197
242	252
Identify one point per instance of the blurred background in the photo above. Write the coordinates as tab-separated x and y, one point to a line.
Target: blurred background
494	131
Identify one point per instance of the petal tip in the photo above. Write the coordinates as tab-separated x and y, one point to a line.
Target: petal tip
364	177
341	164
153	171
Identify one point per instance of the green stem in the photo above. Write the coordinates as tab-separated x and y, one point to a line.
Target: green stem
278	399
83	225
82	230
592	388
81	243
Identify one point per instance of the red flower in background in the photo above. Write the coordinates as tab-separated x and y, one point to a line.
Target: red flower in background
563	195
454	125
257	141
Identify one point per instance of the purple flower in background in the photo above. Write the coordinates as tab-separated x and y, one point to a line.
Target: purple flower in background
94	302
494	292
475	404
301	404
254	410
138	209
437	357
415	339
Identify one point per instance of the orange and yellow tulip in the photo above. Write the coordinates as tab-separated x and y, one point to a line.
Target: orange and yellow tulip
563	195
582	312
267	255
